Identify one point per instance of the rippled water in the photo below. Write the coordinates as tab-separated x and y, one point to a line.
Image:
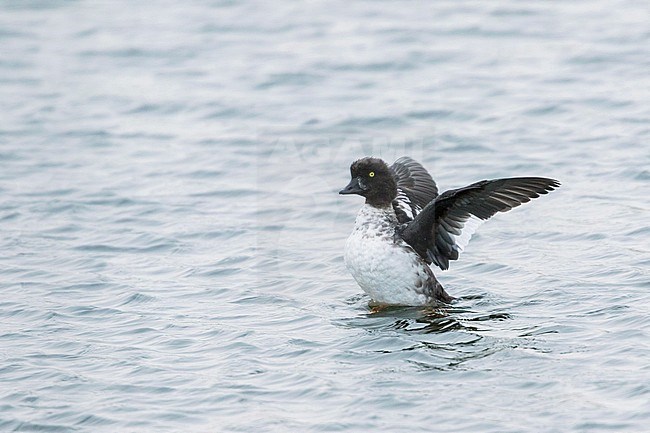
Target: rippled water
172	238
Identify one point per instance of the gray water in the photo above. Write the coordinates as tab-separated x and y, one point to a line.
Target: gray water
172	239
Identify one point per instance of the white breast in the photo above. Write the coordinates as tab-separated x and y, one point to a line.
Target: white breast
389	271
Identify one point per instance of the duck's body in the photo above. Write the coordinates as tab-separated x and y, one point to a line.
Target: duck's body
404	226
384	265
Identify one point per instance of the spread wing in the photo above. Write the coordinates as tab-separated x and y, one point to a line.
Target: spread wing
443	228
415	188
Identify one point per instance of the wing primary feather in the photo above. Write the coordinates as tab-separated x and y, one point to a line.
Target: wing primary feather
444	227
415	188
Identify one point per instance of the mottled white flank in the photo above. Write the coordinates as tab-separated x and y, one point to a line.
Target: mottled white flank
387	270
466	233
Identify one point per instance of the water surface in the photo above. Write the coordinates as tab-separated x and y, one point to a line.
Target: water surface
172	238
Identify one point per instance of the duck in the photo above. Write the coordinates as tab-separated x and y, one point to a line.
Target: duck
405	227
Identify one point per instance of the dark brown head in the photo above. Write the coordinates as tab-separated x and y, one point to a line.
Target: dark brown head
372	179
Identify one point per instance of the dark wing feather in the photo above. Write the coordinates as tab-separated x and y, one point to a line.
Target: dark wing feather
441	231
415	188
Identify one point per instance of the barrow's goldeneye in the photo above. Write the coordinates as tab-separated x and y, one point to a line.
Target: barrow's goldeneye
404	226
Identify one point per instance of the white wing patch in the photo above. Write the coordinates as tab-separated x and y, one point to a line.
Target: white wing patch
404	203
469	228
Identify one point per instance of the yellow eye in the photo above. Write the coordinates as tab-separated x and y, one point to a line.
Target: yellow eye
371	174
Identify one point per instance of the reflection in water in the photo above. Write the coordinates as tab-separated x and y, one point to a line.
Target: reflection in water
440	337
432	319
